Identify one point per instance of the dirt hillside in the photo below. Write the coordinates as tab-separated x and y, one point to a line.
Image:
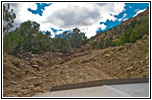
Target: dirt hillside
29	74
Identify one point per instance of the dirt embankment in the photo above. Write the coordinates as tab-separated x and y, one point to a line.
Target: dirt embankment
30	74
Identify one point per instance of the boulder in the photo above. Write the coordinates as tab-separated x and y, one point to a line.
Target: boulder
129	68
106	55
35	66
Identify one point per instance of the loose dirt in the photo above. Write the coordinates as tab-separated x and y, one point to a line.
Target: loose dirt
29	74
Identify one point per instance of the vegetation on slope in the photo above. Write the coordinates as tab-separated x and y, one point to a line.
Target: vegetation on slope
134	31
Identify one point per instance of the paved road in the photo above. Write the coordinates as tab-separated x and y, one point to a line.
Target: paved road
125	90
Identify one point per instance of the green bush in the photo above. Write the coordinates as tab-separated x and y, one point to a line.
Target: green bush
100	44
139	30
134	31
11	41
109	43
94	44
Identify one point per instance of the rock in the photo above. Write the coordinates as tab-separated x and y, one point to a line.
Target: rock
121	48
27	55
30	78
14	82
38	89
147	58
55	66
145	37
30	86
33	61
129	68
106	55
147	66
111	52
40	63
45	57
35	66
19	55
30	71
33	55
60	61
83	61
37	84
21	64
27	59
139	42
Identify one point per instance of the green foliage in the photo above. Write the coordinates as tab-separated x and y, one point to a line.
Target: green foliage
134	31
60	44
39	43
77	39
11	41
117	42
94	44
8	18
108	43
139	30
65	41
100	44
26	38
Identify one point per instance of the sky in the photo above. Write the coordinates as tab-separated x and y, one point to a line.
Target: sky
90	17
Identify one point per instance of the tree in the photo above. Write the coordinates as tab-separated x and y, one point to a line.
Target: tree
100	44
94	44
75	41
32	40
78	38
140	30
108	43
48	34
60	44
29	28
84	38
8	18
11	41
66	35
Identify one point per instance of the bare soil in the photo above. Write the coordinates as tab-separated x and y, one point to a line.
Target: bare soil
29	74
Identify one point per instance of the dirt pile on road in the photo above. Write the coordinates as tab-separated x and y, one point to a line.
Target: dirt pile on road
29	74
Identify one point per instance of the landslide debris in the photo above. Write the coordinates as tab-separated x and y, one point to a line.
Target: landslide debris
29	74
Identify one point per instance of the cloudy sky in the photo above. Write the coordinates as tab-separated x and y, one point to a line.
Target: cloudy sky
90	17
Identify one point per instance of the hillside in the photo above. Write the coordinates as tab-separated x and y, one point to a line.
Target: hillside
38	73
115	32
28	68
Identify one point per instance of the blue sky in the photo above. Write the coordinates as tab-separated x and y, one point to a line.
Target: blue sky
40	8
90	18
130	10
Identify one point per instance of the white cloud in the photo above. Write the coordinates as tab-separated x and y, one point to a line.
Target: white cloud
120	19
125	19
103	26
124	15
136	10
70	15
91	30
139	11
